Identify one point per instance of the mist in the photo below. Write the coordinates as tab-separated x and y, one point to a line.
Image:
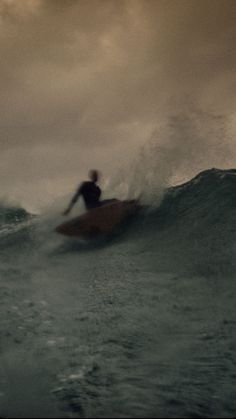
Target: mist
141	89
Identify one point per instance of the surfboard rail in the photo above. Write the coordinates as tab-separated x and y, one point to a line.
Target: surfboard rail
103	220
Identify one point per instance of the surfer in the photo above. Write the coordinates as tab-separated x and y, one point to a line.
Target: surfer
90	192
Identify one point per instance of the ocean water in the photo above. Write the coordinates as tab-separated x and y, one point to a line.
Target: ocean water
142	325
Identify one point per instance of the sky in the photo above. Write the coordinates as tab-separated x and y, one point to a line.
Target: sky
127	86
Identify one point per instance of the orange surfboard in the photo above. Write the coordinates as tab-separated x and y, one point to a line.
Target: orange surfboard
99	221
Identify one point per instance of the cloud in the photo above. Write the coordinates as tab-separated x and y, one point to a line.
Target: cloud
18	8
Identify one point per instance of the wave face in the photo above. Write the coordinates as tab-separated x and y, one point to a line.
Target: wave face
12	215
12	219
194	228
209	196
140	326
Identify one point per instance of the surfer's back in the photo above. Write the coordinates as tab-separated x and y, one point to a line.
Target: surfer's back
91	194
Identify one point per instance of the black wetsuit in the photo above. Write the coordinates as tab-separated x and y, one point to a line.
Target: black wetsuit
91	194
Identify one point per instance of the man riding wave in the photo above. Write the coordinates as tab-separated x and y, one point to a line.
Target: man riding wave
90	192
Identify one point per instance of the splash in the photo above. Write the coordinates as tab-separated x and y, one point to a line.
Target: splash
178	149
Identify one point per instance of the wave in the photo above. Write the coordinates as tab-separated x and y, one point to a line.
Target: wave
13	219
13	215
164	282
209	197
194	225
194	228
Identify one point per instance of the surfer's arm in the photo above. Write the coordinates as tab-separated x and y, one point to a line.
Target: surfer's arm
73	202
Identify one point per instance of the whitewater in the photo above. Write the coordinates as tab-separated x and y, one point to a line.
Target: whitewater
140	325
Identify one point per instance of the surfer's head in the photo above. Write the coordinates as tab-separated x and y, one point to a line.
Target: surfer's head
94	175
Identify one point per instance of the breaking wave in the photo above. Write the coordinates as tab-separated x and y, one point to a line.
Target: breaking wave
140	326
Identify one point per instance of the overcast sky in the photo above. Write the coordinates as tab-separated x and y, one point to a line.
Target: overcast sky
88	82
